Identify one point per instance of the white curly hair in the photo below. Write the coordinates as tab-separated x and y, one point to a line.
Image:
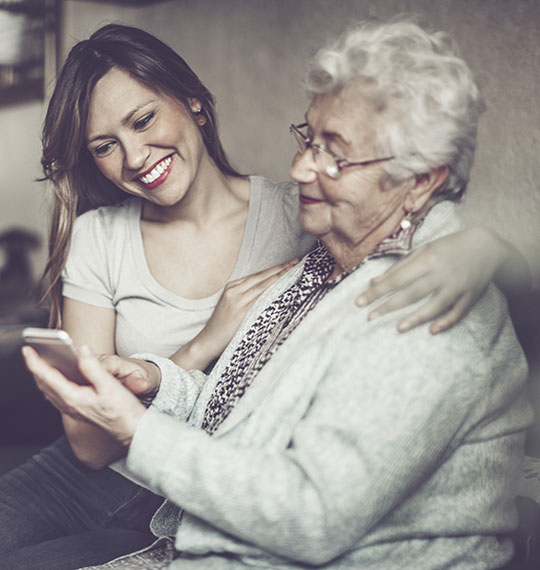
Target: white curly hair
423	92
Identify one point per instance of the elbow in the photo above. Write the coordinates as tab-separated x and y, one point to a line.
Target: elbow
88	459
321	554
93	447
318	547
319	527
92	464
315	554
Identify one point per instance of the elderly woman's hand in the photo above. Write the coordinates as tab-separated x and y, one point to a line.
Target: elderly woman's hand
104	402
454	269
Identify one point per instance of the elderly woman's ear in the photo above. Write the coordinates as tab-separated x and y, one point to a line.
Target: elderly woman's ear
425	186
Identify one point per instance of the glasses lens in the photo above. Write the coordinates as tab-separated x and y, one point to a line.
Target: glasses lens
300	138
326	164
324	160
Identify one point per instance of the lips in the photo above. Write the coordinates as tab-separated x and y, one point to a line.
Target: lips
157	174
306	200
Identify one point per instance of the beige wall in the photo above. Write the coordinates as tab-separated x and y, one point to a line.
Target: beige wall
251	54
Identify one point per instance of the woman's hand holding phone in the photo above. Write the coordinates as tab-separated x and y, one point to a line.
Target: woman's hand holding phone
103	401
57	348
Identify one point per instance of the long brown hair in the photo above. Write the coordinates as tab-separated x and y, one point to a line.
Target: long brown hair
78	184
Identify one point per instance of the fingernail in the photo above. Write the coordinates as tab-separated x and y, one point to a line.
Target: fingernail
85	350
362	301
404	327
373	315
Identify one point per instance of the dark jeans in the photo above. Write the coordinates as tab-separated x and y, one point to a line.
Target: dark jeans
57	514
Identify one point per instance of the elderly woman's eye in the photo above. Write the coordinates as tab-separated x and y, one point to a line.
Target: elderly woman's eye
143	122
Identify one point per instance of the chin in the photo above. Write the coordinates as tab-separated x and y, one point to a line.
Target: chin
312	227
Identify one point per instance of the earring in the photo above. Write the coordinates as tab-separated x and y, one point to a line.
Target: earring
406	222
199	117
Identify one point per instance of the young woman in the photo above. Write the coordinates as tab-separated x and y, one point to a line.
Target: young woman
164	226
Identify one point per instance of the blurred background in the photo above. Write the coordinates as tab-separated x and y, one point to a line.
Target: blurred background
252	55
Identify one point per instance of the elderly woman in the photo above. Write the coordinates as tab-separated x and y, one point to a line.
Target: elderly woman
321	439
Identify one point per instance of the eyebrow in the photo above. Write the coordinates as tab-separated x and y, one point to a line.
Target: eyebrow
125	121
331	136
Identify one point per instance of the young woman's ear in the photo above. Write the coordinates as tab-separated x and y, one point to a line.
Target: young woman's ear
195	105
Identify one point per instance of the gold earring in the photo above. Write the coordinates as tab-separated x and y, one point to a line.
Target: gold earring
199	117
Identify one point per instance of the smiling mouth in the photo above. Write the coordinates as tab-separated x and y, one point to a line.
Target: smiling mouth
158	174
306	200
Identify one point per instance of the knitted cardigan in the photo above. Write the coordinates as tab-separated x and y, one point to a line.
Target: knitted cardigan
355	447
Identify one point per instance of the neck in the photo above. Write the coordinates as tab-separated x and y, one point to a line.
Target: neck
345	258
349	254
211	196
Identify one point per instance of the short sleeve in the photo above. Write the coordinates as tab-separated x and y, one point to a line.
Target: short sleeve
273	234
87	273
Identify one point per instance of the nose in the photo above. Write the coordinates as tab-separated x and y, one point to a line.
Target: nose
136	152
303	168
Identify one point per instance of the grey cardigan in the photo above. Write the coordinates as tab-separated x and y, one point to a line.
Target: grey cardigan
355	447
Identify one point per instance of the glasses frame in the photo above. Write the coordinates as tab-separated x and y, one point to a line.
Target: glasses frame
341	163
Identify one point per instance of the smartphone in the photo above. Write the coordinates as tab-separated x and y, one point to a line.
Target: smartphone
56	347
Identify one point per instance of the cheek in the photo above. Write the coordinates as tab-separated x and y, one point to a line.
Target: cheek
107	167
368	193
356	205
181	129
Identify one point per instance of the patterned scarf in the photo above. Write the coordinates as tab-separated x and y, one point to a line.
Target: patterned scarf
278	321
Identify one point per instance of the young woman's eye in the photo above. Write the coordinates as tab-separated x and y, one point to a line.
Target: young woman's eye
103	149
141	123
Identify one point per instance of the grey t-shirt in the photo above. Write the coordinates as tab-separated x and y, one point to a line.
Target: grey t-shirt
106	267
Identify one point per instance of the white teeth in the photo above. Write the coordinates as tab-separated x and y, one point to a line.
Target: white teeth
156	172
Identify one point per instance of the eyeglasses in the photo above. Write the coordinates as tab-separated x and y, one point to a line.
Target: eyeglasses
326	161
